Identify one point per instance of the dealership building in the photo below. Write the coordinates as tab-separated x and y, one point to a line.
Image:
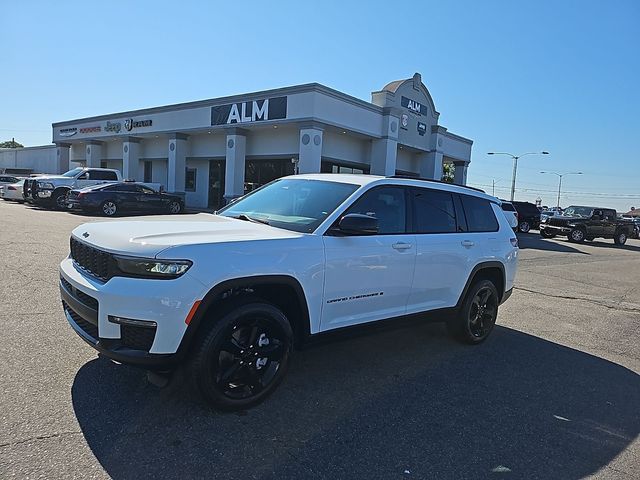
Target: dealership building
219	149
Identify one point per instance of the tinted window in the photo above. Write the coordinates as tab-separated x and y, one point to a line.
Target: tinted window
102	175
122	187
480	217
145	190
507	207
387	204
526	209
433	211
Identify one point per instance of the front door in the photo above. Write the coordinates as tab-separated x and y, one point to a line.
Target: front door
216	184
368	277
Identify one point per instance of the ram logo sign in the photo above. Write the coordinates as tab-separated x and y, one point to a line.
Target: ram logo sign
250	111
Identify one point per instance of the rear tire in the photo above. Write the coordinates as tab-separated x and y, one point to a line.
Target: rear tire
524	226
174	207
620	238
477	316
545	234
108	208
242	357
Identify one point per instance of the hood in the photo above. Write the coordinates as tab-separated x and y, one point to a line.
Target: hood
149	236
51	177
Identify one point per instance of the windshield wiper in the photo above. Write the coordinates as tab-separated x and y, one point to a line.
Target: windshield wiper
244	216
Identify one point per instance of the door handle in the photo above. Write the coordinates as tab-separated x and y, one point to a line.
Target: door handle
467	243
401	246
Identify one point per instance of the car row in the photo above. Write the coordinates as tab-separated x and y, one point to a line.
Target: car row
98	190
580	223
522	216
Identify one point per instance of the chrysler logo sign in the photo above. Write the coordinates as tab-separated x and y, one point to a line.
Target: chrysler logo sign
130	124
250	111
68	132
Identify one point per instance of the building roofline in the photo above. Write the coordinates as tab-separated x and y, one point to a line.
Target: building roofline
50	145
307	87
457	137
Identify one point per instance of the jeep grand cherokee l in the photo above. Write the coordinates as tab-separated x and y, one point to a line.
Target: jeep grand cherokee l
231	294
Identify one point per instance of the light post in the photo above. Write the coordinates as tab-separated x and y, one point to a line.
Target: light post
560	175
515	165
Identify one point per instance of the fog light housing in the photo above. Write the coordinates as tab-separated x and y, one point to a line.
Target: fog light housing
132	322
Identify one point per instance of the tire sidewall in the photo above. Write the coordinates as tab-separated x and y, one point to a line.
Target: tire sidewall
460	326
171	204
577	232
621	238
202	367
60	194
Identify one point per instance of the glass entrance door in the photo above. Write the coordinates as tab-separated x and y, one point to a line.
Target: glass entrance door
216	184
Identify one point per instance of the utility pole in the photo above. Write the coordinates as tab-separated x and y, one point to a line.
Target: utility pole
515	166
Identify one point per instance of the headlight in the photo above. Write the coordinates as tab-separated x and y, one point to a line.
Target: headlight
151	268
46	185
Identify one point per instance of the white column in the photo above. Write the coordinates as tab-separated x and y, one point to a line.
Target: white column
384	151
94	154
234	165
62	157
430	165
460	173
310	158
131	159
178	146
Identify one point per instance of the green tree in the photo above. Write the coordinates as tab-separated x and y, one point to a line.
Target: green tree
11	144
448	171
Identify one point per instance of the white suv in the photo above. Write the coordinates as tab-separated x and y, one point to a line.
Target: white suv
232	293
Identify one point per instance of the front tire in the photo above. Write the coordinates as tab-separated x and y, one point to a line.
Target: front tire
242	357
60	200
109	208
620	238
477	316
546	234
576	235
524	226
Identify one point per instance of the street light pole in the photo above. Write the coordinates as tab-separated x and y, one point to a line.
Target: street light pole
515	166
560	175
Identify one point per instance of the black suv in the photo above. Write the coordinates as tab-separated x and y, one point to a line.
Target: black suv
528	216
586	223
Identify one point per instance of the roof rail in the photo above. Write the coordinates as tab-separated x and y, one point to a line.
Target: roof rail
409	177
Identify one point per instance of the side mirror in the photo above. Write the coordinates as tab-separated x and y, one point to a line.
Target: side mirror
358	224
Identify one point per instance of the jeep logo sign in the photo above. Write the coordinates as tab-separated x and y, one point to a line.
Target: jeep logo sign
251	111
413	106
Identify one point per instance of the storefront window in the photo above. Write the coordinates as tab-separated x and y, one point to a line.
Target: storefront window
331	167
148	171
261	172
190	179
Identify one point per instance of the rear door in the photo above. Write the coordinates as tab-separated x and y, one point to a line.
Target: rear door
148	199
443	247
609	222
369	277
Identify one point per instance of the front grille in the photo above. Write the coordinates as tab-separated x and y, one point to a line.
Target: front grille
88	328
138	338
557	222
88	300
98	263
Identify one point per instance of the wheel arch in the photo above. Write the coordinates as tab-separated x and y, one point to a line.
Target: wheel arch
491	270
283	291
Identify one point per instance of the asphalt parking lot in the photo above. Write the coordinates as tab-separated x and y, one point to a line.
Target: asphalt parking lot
554	393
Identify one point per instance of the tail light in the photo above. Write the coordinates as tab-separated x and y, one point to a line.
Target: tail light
514	242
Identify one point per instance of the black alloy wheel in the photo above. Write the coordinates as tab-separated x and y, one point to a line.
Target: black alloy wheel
109	208
478	314
524	226
577	235
174	207
60	200
242	357
545	234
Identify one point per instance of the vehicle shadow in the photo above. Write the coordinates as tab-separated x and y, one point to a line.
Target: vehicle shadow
536	242
377	406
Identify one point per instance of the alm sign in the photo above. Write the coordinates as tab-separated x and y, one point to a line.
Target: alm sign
250	111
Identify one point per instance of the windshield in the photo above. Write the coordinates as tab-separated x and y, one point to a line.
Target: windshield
293	204
584	212
72	173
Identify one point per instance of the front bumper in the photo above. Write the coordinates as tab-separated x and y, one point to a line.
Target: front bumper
88	303
555	229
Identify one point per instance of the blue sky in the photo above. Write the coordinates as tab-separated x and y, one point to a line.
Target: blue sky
514	76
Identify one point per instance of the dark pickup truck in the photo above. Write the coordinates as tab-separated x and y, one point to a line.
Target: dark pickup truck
586	223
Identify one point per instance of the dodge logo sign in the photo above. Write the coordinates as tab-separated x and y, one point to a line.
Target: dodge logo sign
251	111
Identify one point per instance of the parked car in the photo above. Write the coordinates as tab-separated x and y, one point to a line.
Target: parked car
8	180
230	294
580	223
114	198
12	191
528	216
52	190
510	213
